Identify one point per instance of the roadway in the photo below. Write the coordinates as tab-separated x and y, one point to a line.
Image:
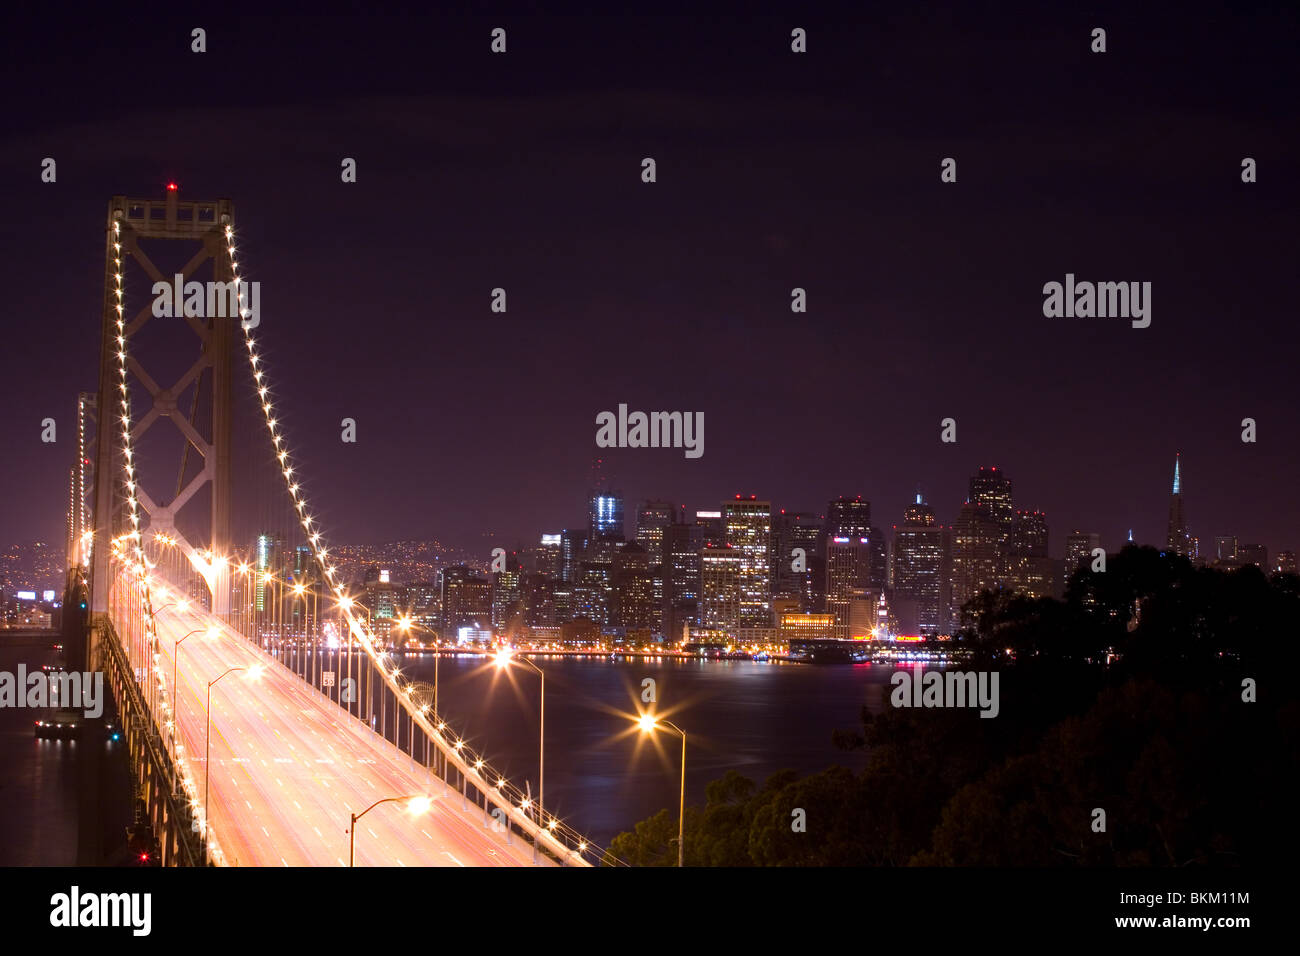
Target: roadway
289	767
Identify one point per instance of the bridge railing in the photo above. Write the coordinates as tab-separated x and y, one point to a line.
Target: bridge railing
161	779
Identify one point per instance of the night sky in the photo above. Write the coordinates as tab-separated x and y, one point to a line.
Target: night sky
775	170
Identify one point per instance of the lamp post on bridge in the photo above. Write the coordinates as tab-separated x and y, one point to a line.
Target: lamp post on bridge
207	757
176	710
419	804
346	603
503	660
300	591
244	570
405	624
151	650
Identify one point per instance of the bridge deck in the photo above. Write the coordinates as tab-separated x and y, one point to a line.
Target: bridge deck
288	767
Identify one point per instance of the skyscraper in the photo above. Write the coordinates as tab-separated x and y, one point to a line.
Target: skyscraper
877	560
1029	534
920	567
594	587
710	530
992	489
791	530
681	578
651	521
573	542
269	555
748	525
1256	554
847	566
633	604
548	556
380	594
539	600
1178	541
507	592
1029	570
466	600
1225	549
848	518
605	515
1079	546
976	554
721	572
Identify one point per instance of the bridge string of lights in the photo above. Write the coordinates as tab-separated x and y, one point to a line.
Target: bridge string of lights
128	548
519	802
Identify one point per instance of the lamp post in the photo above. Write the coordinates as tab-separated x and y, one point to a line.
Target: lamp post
151	650
346	604
176	710
648	725
207	756
503	660
300	636
243	569
419	804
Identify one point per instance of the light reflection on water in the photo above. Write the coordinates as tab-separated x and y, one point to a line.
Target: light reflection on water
756	718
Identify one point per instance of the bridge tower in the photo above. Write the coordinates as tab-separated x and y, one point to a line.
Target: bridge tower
200	226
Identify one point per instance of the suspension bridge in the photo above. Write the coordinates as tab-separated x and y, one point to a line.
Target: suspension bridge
255	696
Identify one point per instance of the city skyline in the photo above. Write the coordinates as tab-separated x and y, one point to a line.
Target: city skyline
1057	543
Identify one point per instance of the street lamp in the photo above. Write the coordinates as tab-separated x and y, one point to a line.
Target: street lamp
300	591
152	650
649	724
207	755
244	569
176	710
419	804
503	659
176	653
346	604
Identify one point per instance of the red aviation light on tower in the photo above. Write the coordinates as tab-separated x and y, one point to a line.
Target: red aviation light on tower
171	187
